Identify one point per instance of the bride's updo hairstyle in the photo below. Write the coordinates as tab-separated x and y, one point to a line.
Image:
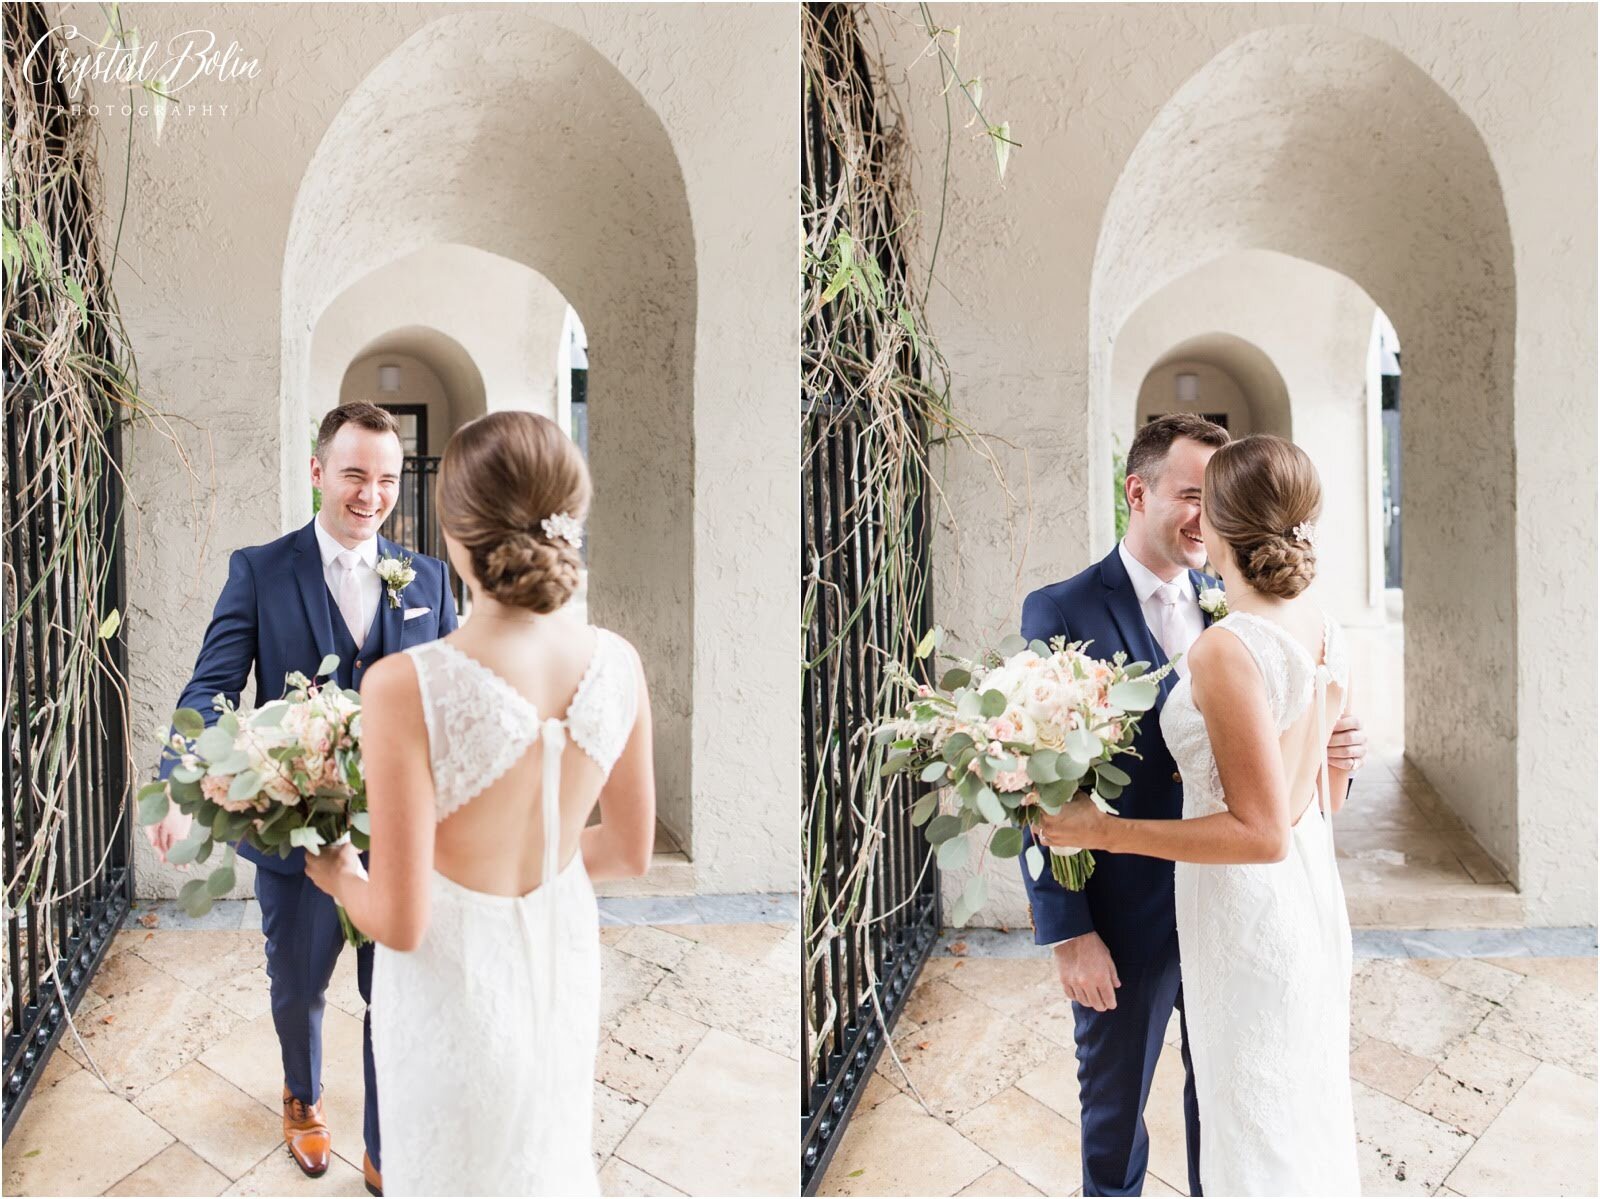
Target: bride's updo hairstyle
502	476
1258	491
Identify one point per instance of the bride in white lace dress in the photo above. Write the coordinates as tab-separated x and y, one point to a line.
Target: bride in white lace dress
485	754
1263	934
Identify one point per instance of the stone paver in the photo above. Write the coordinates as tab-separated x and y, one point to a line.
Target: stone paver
1471	1076
695	1075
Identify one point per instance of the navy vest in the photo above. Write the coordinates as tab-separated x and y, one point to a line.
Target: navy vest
353	661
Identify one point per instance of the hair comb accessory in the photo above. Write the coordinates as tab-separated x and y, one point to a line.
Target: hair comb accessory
562	527
1305	531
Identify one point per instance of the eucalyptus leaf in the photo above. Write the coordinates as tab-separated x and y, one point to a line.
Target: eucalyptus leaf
189	723
921	811
194	899
1134	695
1083	745
270	716
955	746
1007	843
153	808
1114	773
953	853
1034	857
968	705
185	851
993	704
188	774
991	808
235	761
929	640
244	785
1013	643
935	772
214	744
1042	766
942	828
220	881
306	838
955	677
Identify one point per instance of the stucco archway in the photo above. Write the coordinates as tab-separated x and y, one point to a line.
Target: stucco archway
578	181
1333	147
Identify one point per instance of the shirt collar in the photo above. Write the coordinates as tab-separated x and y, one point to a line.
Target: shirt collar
366	552
1145	581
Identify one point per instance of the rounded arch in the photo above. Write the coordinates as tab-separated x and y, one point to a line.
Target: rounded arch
459	378
1333	147
444	144
1242	364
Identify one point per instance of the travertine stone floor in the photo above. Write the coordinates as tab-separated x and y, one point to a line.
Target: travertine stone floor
1472	1076
694	1091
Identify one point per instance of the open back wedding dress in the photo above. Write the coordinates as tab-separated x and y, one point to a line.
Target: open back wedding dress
1266	955
484	1037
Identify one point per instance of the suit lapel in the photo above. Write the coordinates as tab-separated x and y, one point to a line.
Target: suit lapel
314	591
1126	614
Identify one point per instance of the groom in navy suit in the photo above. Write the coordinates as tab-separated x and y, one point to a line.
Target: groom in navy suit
1116	942
285	606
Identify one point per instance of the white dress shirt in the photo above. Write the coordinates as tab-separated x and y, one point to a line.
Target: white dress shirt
1189	620
369	587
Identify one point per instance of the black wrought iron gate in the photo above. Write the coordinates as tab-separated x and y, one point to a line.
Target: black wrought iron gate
870	899
64	771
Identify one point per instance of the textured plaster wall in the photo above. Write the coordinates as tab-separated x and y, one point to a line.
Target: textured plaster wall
1219	392
1299	334
497	325
1442	158
582	142
419	384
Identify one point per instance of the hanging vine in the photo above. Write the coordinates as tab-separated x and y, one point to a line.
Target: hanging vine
71	385
873	378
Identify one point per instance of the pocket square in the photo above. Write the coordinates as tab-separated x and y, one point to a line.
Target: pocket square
413	613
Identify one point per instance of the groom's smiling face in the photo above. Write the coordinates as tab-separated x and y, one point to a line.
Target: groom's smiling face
1168	507
360	480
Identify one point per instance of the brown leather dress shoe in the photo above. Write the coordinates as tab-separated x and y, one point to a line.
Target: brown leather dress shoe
370	1173
306	1134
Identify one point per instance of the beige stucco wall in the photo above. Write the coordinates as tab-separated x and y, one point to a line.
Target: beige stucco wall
1401	146
1300	334
489	326
1219	392
572	139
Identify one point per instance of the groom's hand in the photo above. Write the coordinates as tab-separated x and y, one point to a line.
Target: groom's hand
1088	975
1347	748
172	828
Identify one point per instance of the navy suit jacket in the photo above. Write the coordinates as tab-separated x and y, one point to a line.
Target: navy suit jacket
274	616
1128	898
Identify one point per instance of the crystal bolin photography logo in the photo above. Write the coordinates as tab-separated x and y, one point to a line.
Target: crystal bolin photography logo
161	70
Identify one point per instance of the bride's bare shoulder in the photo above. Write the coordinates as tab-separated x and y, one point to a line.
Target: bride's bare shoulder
1219	659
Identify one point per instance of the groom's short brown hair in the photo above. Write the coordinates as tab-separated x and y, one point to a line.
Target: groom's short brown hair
1151	443
360	413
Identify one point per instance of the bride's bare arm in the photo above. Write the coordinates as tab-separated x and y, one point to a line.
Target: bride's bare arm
1230	694
389	903
1339	780
620	845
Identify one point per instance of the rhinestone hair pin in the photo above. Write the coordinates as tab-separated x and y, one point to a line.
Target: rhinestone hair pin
562	527
1305	531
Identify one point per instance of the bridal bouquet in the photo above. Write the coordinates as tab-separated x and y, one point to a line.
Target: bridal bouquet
285	776
1012	736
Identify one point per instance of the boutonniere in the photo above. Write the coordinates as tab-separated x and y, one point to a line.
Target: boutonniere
397	574
1214	602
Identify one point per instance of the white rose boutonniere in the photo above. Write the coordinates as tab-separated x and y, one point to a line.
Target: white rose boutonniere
397	574
1214	602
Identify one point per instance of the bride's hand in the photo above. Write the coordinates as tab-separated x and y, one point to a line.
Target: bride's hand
333	866
1078	825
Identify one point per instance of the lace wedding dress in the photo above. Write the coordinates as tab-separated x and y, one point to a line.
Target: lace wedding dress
484	1037
1265	953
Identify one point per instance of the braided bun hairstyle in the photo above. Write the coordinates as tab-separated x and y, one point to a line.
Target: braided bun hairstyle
1257	491
501	476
